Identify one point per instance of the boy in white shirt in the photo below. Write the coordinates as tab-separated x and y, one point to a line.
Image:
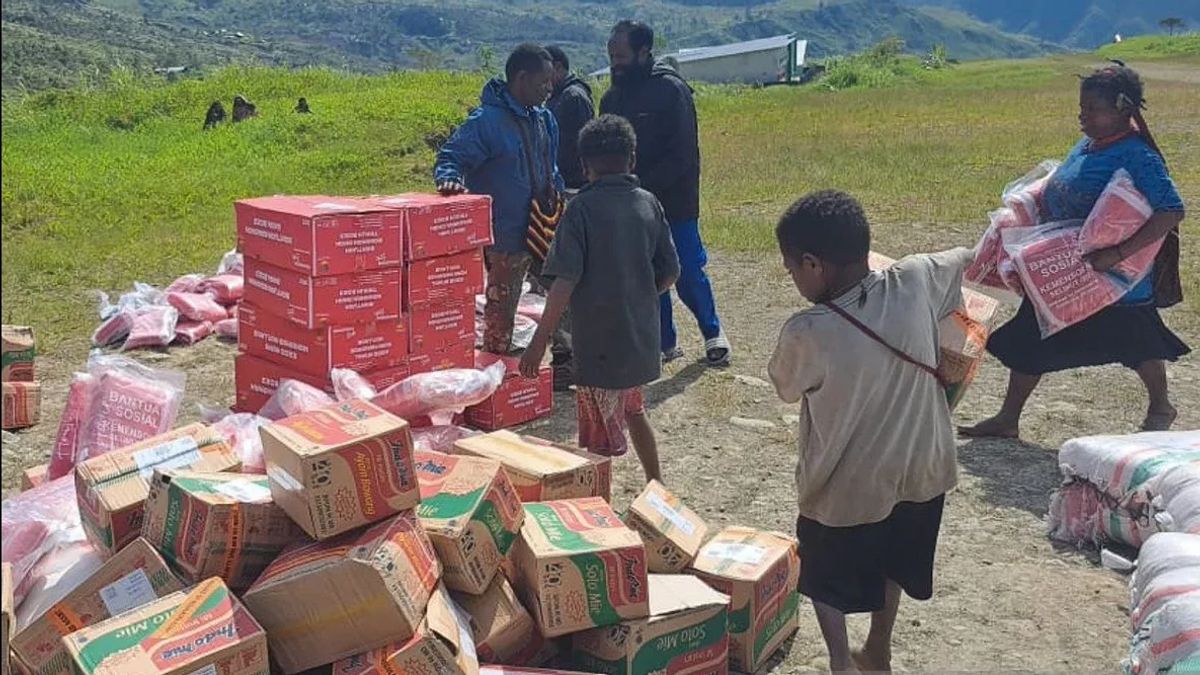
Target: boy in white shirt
877	452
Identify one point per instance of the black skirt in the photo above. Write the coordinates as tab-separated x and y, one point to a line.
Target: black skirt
1125	334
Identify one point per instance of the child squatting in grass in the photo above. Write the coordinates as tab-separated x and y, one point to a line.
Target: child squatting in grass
877	452
611	258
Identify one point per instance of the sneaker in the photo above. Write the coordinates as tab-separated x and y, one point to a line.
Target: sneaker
672	354
717	350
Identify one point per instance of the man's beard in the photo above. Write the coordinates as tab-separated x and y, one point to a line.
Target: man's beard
626	75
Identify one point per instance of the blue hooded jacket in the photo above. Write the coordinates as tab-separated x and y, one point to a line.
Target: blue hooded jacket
487	155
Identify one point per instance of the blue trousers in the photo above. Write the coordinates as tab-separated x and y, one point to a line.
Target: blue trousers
693	287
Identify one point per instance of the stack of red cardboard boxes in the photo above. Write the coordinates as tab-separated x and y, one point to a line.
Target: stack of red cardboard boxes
383	286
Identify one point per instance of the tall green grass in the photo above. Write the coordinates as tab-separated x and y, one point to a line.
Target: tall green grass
1153	46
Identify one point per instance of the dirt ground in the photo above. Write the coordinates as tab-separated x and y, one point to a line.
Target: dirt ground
1005	599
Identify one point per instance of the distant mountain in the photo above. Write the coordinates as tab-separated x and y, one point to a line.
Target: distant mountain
1079	24
54	43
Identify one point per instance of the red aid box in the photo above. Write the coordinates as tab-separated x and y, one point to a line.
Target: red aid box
459	355
437	226
438	325
362	347
517	401
359	297
451	277
255	380
320	235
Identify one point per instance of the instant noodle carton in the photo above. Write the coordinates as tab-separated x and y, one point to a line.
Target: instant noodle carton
319	235
216	524
453	277
517	400
672	532
517	670
135	576
111	489
17	352
442	645
760	572
501	627
457	355
205	630
435	225
6	613
312	302
687	633
472	514
360	347
539	470
340	467
439	325
22	404
324	601
962	336
579	567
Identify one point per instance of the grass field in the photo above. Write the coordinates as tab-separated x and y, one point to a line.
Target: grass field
106	187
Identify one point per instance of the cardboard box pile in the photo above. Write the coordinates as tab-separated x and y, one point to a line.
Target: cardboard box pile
384	286
22	395
542	471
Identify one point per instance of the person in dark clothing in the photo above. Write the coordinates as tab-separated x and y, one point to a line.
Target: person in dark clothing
572	106
215	115
658	102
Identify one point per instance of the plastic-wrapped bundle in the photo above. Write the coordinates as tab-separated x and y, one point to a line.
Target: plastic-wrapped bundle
197	306
188	283
191	332
1169	636
292	398
1162	556
532	305
143	296
1024	195
240	431
348	384
1117	215
227	289
56	575
1177	498
114	329
992	266
440	438
226	328
441	394
130	402
33	523
152	327
70	427
231	263
523	330
1063	288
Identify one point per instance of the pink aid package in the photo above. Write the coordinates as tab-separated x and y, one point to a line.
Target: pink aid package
348	384
152	327
226	328
292	398
1024	195
191	332
240	431
130	402
113	329
227	289
70	427
991	258
34	522
441	394
440	438
188	283
1117	215
197	306
1063	288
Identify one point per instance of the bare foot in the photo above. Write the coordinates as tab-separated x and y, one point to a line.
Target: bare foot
868	662
1000	426
1160	420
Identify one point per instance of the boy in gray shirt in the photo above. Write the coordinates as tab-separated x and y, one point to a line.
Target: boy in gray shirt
611	258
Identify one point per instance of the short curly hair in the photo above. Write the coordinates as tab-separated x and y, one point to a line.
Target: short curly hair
607	136
828	224
1118	84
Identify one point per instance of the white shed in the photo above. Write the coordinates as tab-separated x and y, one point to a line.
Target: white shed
774	59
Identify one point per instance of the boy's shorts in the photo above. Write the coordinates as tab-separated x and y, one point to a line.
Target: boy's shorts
848	568
603	415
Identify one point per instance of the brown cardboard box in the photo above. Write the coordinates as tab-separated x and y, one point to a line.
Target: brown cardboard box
111	489
216	525
687	632
962	336
17	354
22	403
34	476
518	670
579	566
539	470
340	467
501	627
672	532
324	601
441	646
6	613
133	577
759	571
471	513
205	630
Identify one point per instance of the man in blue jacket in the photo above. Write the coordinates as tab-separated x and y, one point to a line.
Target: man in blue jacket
506	148
658	103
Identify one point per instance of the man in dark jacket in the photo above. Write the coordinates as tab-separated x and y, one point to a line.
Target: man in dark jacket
572	106
658	102
506	148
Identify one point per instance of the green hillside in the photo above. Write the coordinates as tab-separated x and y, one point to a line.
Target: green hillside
54	43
